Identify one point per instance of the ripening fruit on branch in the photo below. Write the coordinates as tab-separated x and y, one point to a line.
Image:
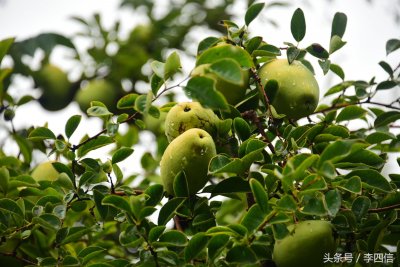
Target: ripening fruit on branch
45	172
305	245
57	90
187	115
297	94
233	93
191	153
96	90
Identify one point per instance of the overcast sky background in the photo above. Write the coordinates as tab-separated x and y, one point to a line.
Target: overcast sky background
369	26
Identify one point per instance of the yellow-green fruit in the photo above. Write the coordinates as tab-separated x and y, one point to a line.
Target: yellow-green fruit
96	90
57	91
45	172
305	245
188	115
191	153
298	92
233	93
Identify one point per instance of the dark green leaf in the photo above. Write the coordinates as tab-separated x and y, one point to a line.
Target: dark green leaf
155	233
223	164
292	53
206	43
298	25
231	185
337	70
172	238
202	89
253	218
180	185
325	65
360	206
287	203
130	237
386	85
98	111
72	124
260	195
266	50
372	179
41	133
242	128
117	202
154	193
252	12
48	221
168	210
127	101
333	200
351	113
9	205
216	244
386	118
378	137
94	144
241	254
196	244
386	67
352	184
339	24
156	83
121	154
317	51
75	233
392	45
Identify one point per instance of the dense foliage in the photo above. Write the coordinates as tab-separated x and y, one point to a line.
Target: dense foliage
270	171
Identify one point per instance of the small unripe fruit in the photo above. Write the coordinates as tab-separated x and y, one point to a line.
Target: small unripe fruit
298	92
233	93
305	245
45	172
188	115
191	153
57	91
96	90
9	114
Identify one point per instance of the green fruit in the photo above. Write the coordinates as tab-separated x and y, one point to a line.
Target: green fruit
45	172
305	245
96	90
191	153
57	91
188	115
298	92
233	93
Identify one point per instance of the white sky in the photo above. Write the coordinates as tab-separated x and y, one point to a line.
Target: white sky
369	27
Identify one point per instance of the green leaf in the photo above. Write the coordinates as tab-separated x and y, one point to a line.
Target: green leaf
180	185
172	65
386	68
130	237
202	89
158	68
260	195
392	45
386	118
5	45
313	182
25	147
9	205
75	234
287	203
379	137
242	128
41	133
335	44
253	218
48	221
360	206
386	85
156	83
196	244
352	184
339	24
271	89
206	43
217	244
121	154
168	210
154	194
141	103
266	51
72	124
223	164
372	179
172	238
317	51
350	113
325	65
298	25
155	233
231	185
252	12
253	43
4	179
102	209
94	144
90	253
98	111
314	204
335	152
333	200
337	70
241	254
292	54
127	101
117	202
228	70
